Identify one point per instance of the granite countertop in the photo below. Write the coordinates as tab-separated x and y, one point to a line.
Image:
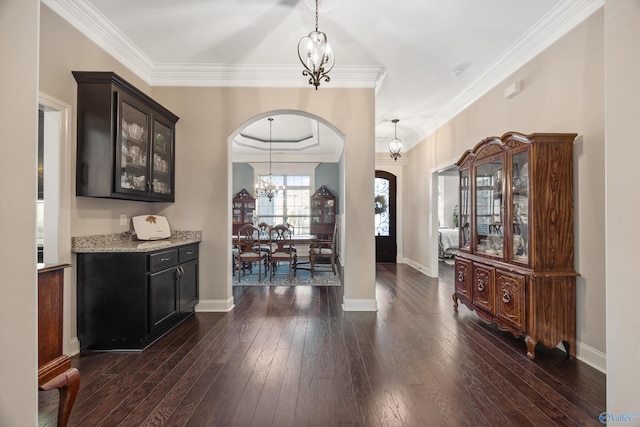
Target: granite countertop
125	242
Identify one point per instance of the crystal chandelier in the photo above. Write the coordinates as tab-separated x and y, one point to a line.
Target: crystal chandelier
395	145
316	55
267	187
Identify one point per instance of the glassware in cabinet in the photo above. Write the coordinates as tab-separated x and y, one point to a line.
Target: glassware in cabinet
520	206
489	211
162	165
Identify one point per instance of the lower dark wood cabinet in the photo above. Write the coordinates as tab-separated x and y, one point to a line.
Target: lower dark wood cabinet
127	300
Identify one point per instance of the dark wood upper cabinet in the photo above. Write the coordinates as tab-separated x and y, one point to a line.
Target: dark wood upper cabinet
126	141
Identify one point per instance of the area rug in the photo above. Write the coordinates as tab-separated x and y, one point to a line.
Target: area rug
303	278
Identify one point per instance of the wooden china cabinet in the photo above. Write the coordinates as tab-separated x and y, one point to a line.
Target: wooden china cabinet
515	266
244	205
323	213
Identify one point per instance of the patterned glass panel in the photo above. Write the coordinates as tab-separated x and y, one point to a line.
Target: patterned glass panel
381	204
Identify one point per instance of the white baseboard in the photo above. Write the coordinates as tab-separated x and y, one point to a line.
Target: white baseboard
359	305
215	305
589	355
421	268
592	357
74	347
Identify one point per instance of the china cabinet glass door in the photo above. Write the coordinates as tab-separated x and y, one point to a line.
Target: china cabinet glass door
489	212
249	208
464	218
520	206
133	149
162	158
237	211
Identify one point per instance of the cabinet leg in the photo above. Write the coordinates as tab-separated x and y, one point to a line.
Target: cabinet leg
531	347
570	348
455	301
67	384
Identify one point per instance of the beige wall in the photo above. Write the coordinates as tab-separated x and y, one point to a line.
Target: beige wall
208	117
18	139
562	91
622	125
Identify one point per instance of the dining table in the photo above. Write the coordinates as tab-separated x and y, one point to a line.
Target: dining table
298	240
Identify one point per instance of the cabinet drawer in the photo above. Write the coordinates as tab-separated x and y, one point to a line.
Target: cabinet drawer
161	260
463	278
510	298
187	253
483	287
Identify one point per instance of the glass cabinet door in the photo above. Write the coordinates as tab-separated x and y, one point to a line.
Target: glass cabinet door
464	218
161	166
329	209
489	208
132	149
520	206
249	207
316	211
237	212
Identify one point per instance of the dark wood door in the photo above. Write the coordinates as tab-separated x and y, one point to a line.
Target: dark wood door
188	285
385	217
163	301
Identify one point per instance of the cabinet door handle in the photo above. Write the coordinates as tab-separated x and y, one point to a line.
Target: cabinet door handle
506	296
165	259
481	285
189	252
460	276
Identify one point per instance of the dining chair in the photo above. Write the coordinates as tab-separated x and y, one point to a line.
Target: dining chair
264	246
249	246
325	250
281	250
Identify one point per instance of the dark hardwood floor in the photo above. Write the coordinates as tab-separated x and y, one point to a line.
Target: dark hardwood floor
289	356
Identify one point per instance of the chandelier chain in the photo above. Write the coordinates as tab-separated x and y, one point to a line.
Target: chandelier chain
270	143
316	15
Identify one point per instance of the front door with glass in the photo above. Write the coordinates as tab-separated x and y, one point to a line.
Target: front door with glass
385	217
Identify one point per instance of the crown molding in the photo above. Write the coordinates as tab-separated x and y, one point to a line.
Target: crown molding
93	24
388	161
555	24
260	168
250	75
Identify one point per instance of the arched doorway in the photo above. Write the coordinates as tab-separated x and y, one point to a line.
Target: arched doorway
301	152
385	217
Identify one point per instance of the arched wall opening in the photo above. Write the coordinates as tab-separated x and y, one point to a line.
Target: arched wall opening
209	117
299	163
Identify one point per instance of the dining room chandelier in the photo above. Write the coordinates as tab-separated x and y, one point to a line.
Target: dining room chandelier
395	145
267	187
316	55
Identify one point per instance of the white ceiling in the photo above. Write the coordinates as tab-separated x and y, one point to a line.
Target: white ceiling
427	59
